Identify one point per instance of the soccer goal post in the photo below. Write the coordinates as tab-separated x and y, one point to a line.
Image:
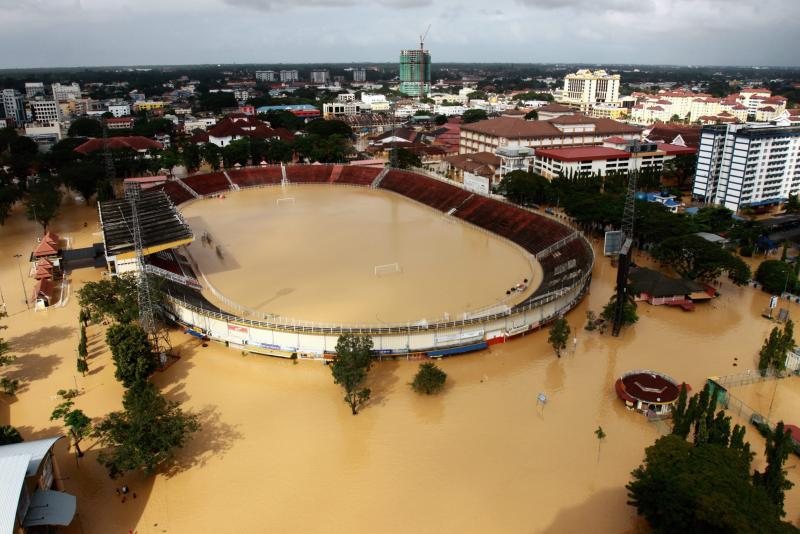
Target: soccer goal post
286	201
388	268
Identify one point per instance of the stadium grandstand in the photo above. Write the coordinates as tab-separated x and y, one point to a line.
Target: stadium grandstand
565	256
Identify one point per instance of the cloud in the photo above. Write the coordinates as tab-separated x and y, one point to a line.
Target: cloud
273	5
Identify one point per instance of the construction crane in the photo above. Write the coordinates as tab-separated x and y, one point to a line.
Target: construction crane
422	61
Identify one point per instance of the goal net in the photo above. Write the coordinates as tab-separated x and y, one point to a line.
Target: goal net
389	268
287	201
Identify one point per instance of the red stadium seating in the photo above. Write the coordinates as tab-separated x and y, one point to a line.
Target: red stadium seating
434	193
251	177
309	174
353	174
208	184
176	193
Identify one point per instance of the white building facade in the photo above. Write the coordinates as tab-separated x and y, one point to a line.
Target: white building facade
747	165
586	89
266	76
63	92
288	76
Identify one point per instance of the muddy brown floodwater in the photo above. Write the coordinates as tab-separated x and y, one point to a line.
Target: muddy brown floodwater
280	452
309	252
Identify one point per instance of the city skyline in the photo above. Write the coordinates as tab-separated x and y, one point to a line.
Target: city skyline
74	33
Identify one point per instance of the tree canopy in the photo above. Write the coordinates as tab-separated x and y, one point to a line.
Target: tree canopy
132	354
525	188
350	366
85	127
776	276
474	115
144	435
695	258
43	200
113	298
559	335
429	379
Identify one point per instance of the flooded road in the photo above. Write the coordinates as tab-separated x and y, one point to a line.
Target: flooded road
310	251
280	452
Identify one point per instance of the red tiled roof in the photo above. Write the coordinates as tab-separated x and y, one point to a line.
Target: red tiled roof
775	100
581	153
516	129
555	108
754	90
676	150
616	140
232	126
767	108
133	142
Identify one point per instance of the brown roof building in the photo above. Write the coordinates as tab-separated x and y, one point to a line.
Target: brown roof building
565	130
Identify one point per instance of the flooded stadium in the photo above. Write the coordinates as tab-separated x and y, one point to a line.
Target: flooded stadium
280	452
352	255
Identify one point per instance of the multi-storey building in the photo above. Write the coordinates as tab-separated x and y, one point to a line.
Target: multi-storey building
359	75
14	106
586	89
45	111
288	76
415	72
320	76
375	102
741	165
266	76
749	104
566	130
119	109
63	92
34	89
345	105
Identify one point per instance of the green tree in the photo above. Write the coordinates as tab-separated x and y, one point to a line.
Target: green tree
693	257
191	157
773	479
82	366
525	188
211	154
132	354
77	423
532	115
9	435
474	115
83	177
327	128
407	159
714	219
144	435
429	379
83	344
350	368
278	151
686	488
114	298
792	204
773	351
559	335
629	315
9	195
776	276
43	200
236	152
439	119
85	127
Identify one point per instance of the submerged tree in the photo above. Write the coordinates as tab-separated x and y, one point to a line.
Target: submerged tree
144	435
132	354
559	334
112	298
43	200
350	367
773	479
9	435
429	379
76	422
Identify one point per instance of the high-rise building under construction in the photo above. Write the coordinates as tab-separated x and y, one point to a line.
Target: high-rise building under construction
415	72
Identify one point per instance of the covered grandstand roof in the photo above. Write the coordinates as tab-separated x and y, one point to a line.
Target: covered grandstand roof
162	225
133	142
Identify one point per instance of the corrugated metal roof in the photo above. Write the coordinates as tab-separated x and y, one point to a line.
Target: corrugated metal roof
12	476
36	451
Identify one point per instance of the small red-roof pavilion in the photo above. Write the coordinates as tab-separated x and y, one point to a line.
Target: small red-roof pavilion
44	269
648	392
45	248
42	290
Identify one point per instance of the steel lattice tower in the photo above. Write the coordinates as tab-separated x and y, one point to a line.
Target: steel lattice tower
146	310
628	216
107	157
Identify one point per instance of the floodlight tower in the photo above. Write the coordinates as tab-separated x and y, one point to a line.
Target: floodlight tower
628	216
146	309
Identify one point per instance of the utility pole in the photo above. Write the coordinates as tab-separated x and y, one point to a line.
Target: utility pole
22	281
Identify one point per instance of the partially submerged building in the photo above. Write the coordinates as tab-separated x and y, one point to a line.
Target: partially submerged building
659	289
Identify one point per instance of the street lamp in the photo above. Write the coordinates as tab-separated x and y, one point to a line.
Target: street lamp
22	281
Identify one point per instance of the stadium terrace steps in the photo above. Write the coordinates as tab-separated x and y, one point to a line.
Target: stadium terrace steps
433	193
355	175
188	189
208	184
253	177
309	174
337	170
177	192
377	181
233	186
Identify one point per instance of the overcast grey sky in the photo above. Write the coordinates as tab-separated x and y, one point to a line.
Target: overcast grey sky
56	33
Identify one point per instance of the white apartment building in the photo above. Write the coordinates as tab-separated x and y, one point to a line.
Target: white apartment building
586	89
359	75
63	92
449	111
440	98
34	89
600	160
741	165
119	110
266	76
376	102
288	76
14	106
320	76
45	111
345	105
